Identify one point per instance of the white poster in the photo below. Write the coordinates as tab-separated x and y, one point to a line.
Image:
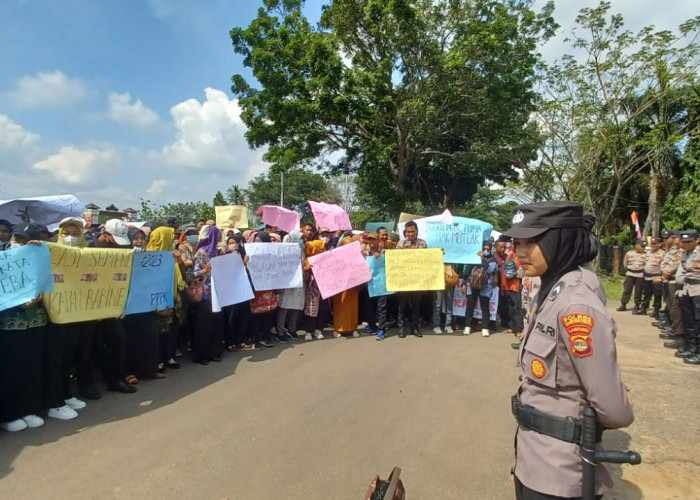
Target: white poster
229	281
274	266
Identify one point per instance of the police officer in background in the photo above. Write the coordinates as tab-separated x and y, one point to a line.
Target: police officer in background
567	354
671	319
634	262
688	274
652	272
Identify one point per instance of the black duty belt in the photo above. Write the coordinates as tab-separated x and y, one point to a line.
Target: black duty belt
692	281
565	429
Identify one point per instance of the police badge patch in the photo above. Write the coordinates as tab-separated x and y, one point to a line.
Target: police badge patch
579	327
537	368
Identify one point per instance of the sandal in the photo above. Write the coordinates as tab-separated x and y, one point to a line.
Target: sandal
131	379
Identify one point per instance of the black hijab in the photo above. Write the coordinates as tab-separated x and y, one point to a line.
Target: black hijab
564	249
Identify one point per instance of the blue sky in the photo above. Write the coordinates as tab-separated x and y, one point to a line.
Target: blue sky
116	100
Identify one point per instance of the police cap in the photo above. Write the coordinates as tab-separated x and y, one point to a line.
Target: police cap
689	234
657	239
533	219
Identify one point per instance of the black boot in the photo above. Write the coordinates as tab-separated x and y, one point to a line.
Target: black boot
623	307
667	335
692	360
654	313
638	311
679	343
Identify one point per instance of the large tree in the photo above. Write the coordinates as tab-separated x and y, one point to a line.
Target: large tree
424	99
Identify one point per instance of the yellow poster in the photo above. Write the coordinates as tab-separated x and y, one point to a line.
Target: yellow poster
404	217
89	283
232	214
413	270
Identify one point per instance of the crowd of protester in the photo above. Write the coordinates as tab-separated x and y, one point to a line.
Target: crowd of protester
52	369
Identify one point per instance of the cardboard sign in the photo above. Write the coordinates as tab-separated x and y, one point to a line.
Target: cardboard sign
286	220
25	272
151	288
413	270
274	266
331	216
377	266
340	269
231	214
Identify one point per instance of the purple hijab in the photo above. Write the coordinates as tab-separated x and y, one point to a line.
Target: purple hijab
209	244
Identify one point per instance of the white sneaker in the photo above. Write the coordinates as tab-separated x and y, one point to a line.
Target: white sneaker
15	425
437	330
33	421
485	332
63	413
467	330
355	334
319	335
308	337
76	403
337	334
448	329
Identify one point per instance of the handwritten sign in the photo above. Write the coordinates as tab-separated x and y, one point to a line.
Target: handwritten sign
25	272
462	239
231	214
229	281
377	266
274	266
340	269
330	216
413	270
286	220
89	283
152	276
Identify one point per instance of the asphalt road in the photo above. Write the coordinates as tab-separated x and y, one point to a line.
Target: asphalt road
317	420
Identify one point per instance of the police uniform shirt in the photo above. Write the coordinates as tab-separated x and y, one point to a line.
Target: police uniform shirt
652	267
634	263
689	273
569	361
671	261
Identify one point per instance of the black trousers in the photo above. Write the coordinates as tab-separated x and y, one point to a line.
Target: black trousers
376	312
638	285
522	492
236	321
514	304
142	349
471	304
673	306
651	290
412	301
690	308
21	360
260	326
208	333
113	347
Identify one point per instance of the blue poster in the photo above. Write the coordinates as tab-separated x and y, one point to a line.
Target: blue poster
461	240
152	282
377	286
25	272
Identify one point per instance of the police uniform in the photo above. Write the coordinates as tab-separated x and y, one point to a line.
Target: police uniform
688	275
652	275
634	277
669	266
568	359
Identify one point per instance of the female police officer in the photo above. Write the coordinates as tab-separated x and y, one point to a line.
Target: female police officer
567	353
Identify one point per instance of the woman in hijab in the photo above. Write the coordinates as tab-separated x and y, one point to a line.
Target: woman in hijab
141	329
262	308
208	331
315	309
291	300
346	303
236	316
567	353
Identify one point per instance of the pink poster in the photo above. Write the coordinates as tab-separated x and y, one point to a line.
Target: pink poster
330	216
340	269
286	220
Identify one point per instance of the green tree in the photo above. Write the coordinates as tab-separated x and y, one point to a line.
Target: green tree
219	200
235	196
185	212
425	100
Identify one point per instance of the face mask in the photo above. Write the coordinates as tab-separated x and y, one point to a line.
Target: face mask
487	253
233	248
192	238
324	239
71	241
14	244
139	249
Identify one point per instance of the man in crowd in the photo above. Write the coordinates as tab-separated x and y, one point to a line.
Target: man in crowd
510	304
652	272
385	242
410	300
634	262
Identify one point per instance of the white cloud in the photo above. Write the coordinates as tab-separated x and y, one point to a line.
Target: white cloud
76	167
14	138
122	110
210	137
158	187
47	89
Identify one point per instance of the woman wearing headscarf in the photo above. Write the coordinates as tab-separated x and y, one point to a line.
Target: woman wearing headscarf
263	307
567	354
315	309
5	234
69	346
346	303
208	331
236	316
291	300
185	259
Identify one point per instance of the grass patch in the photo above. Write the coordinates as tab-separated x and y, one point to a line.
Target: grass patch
612	286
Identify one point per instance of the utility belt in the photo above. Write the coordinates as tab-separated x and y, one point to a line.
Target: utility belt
566	429
692	281
652	275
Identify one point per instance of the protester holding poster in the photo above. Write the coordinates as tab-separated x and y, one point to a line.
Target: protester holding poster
262	308
22	330
291	300
315	309
346	303
377	304
208	330
5	234
410	300
482	279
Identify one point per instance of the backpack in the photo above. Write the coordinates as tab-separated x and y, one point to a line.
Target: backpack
477	278
510	268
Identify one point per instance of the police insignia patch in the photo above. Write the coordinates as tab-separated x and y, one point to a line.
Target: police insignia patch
581	345
538	369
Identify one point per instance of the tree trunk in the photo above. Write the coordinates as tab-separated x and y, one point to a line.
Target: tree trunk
653	220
